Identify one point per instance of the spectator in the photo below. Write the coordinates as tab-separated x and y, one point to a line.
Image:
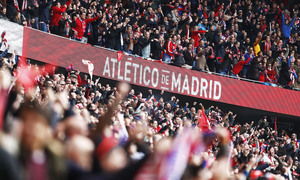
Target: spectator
170	50
255	68
114	36
128	40
284	76
189	55
57	11
156	48
145	44
81	24
20	19
3	13
286	28
200	59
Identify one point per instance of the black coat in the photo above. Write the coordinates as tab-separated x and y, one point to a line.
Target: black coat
284	76
156	49
189	59
113	38
254	71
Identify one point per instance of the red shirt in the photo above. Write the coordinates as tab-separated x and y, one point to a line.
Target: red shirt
81	25
239	66
196	37
171	49
271	73
57	13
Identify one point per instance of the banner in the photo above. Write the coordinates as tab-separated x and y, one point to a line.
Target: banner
134	70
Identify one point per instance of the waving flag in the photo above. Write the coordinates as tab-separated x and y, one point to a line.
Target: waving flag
90	67
174	164
26	75
263	148
203	121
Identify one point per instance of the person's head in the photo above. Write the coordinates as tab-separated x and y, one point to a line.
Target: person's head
269	66
260	54
75	125
154	124
83	16
129	29
287	21
3	10
147	35
174	38
36	131
139	95
190	46
248	40
216	18
111	156
294	136
250	50
57	4
79	150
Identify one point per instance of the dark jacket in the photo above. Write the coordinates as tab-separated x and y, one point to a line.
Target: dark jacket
44	11
284	76
126	41
254	71
113	38
156	49
189	59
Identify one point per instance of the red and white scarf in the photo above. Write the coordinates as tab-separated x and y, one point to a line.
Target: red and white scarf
16	4
267	46
24	5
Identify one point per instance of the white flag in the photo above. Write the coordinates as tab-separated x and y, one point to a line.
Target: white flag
90	67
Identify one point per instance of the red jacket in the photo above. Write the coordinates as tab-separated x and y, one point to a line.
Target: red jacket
57	13
239	66
171	49
195	36
81	25
272	75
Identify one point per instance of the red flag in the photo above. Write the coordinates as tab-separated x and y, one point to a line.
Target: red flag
120	55
48	69
203	121
27	75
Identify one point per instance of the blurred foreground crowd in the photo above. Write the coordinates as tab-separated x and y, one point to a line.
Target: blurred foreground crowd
258	40
67	126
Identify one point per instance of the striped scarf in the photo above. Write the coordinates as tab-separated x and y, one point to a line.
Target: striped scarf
16	5
24	5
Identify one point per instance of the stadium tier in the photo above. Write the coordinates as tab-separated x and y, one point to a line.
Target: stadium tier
154	74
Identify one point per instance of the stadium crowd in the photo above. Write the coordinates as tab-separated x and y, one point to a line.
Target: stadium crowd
68	126
258	40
